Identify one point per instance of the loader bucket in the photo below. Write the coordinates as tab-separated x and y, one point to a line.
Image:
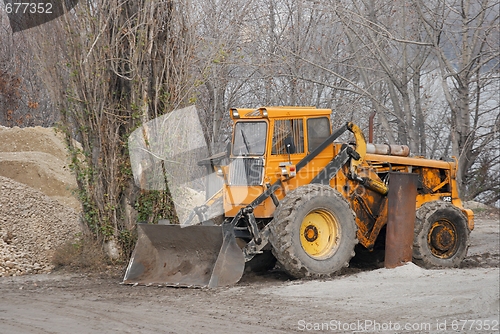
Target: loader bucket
192	256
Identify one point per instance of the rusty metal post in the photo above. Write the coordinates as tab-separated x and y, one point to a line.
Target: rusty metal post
370	127
400	219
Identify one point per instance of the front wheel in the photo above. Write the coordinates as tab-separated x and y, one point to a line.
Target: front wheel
441	235
313	232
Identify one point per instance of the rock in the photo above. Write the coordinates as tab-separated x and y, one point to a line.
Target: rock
112	249
475	205
32	226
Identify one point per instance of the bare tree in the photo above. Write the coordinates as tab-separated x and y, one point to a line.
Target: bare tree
113	65
465	41
24	99
220	62
390	52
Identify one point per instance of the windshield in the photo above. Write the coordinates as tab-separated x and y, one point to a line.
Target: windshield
249	138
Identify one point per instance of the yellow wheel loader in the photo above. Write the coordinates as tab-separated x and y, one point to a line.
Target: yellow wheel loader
293	193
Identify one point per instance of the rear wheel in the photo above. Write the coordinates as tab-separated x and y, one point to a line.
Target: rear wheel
441	235
313	233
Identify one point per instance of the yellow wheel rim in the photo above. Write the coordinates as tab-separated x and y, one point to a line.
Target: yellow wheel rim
319	234
443	239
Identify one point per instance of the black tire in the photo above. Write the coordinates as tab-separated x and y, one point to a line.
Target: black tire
328	232
261	262
441	235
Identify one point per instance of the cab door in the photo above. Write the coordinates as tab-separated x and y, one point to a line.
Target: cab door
292	140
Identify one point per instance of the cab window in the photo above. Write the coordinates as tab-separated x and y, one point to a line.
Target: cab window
288	132
318	129
249	138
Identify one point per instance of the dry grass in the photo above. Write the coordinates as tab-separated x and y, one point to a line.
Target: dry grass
84	253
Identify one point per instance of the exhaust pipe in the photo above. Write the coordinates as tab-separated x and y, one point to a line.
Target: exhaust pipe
385	149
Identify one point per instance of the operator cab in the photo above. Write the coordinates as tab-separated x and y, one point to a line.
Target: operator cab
267	143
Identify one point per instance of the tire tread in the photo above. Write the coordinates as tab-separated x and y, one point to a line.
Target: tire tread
281	236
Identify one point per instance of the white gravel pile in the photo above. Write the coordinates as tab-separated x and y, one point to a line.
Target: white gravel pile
32	225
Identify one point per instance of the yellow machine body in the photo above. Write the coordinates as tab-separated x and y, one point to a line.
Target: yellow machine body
438	178
274	151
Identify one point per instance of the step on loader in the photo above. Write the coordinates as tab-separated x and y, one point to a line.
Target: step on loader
293	192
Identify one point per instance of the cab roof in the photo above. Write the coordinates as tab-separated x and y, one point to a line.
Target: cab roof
277	112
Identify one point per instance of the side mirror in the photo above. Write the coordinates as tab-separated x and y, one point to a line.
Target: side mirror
289	145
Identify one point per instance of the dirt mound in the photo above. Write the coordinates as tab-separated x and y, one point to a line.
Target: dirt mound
32	226
36	139
34	166
38	158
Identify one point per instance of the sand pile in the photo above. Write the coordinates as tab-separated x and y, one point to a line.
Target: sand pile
38	158
38	208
